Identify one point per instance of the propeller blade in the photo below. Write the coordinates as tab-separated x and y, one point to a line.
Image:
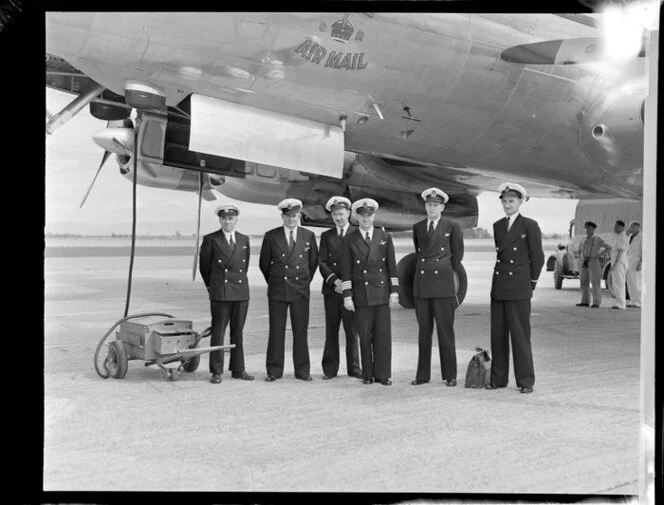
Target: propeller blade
198	225
103	160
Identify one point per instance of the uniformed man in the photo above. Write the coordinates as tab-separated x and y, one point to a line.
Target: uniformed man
224	260
370	287
439	249
520	258
288	260
591	249
619	265
633	277
330	269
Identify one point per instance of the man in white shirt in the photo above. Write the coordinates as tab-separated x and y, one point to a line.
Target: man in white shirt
633	277
619	265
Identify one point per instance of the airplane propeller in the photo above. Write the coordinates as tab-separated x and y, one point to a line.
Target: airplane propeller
103	160
110	124
198	225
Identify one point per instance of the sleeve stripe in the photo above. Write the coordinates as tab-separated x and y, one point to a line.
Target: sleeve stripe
328	277
346	285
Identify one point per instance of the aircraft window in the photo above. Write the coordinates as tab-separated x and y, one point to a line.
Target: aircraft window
266	171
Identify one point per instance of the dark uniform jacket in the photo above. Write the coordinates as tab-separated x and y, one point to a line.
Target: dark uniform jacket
368	273
330	258
437	258
288	275
520	258
223	269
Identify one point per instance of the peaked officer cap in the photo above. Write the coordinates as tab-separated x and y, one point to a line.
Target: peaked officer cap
434	195
511	188
365	206
337	202
228	208
289	204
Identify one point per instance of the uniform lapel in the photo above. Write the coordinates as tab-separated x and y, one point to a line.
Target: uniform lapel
299	243
375	240
280	239
224	246
513	233
435	240
362	243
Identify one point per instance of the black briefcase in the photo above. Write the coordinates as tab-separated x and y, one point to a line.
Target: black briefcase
478	374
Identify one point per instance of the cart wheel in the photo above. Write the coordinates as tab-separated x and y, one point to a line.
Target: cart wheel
191	365
117	360
172	374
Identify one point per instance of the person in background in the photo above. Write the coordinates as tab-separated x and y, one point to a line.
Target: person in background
590	272
619	265
633	277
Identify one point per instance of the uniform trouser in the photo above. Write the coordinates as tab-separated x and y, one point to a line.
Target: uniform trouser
374	326
335	314
299	316
223	313
618	285
633	279
442	311
511	318
591	276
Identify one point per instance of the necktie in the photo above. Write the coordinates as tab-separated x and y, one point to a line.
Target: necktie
231	241
431	228
291	242
507	223
367	238
341	232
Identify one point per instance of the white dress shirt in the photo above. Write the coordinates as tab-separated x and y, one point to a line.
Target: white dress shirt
435	223
229	235
364	233
287	231
511	219
343	230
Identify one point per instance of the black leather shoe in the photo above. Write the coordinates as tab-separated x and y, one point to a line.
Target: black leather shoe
451	383
594	306
367	381
270	378
493	386
304	378
242	375
385	382
417	382
216	378
328	377
357	375
582	304
526	390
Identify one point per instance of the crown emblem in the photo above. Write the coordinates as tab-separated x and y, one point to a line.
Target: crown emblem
342	30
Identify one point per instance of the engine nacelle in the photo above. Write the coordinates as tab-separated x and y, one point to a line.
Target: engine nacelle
611	132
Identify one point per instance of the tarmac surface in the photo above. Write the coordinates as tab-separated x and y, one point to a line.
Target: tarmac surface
577	433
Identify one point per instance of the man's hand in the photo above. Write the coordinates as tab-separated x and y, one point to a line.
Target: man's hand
394	300
533	285
348	304
337	286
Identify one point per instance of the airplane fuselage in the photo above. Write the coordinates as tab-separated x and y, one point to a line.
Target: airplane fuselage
426	89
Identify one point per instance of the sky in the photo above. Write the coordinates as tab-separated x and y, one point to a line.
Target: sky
72	159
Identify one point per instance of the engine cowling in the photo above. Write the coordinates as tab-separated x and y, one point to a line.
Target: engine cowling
611	131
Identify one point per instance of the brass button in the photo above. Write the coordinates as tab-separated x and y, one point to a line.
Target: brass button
285	277
435	271
364	271
510	273
365	283
421	271
511	261
219	261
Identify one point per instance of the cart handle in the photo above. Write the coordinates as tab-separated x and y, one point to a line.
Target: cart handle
105	374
